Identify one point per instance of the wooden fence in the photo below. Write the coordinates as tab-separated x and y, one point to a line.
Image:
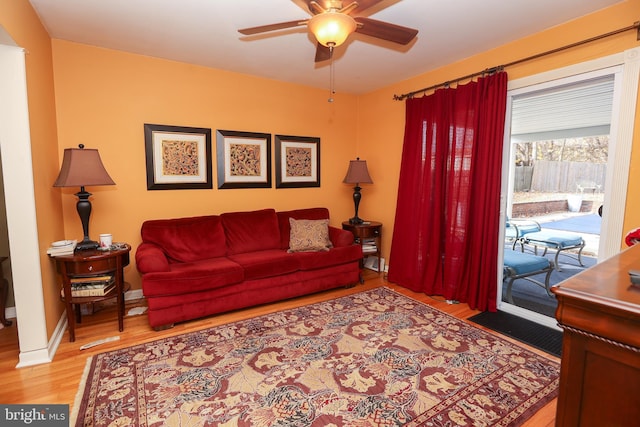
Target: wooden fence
560	177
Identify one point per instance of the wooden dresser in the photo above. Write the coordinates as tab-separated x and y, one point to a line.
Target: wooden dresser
599	312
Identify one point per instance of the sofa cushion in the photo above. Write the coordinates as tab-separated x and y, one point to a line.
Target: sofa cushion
187	239
283	221
189	277
309	235
335	256
251	231
269	263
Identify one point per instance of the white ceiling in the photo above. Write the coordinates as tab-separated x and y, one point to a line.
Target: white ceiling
204	32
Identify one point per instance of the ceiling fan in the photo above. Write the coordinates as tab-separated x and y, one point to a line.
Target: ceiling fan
332	23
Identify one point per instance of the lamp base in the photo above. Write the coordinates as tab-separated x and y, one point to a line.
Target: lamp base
356	220
87	245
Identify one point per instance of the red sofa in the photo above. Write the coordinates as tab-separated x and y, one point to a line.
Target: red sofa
199	266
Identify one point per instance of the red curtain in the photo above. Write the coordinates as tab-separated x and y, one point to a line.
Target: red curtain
445	239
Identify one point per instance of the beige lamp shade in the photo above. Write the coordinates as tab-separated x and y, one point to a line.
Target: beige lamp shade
82	167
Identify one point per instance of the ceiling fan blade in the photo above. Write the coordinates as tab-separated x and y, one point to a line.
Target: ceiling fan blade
385	31
271	27
323	53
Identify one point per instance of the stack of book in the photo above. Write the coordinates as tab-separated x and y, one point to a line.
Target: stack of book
62	247
95	286
369	246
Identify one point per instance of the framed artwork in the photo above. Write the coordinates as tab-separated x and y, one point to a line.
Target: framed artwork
297	161
244	159
177	157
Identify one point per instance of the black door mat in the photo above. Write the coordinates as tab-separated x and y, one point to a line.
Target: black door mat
526	331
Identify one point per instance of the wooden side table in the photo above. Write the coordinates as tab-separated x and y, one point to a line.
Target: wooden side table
368	231
91	263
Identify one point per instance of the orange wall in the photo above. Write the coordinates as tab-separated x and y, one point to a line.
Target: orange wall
381	119
20	21
104	97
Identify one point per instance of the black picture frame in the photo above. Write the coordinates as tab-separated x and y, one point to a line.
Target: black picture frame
297	161
183	150
243	159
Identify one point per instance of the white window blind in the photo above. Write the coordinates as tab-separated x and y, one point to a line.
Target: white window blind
576	110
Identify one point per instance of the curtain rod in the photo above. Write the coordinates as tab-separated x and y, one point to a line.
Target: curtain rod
636	25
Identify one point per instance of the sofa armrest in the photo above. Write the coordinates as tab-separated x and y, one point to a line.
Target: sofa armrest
340	237
151	259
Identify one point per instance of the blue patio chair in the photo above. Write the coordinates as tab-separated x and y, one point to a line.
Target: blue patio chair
560	241
518	228
520	265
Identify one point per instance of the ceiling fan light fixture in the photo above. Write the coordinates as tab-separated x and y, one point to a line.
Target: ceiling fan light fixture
331	29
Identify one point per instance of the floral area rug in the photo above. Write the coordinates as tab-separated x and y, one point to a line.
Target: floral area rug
375	358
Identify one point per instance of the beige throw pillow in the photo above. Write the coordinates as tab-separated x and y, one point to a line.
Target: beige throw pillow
309	235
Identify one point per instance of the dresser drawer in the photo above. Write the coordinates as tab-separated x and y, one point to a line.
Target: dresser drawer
366	232
90	267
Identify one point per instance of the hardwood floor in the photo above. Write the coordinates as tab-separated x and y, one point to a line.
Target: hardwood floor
57	382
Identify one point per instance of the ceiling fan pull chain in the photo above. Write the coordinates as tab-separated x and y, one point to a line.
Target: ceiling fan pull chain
332	89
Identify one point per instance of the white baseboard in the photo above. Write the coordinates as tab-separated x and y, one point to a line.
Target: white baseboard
45	356
41	356
31	358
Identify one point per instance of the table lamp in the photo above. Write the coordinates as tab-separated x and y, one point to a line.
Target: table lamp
357	174
82	168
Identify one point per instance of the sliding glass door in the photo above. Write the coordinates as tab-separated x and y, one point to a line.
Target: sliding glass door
562	168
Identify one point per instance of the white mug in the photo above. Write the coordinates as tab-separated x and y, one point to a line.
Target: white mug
105	241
